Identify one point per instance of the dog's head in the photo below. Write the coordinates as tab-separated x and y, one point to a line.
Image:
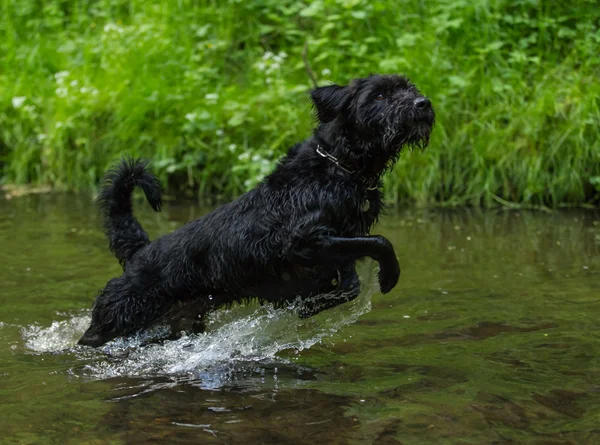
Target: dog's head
377	113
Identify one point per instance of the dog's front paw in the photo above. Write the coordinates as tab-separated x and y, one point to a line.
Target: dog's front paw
388	276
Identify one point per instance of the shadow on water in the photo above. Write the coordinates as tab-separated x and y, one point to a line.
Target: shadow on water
490	338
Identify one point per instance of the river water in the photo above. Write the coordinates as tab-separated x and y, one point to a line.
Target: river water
490	337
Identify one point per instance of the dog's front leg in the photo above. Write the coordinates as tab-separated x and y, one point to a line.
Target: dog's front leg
332	249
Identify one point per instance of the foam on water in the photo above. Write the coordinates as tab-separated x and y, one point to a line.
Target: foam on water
250	335
58	336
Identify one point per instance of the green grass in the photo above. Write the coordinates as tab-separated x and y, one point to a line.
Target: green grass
192	86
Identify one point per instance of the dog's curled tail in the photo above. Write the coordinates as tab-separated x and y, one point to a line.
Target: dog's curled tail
125	234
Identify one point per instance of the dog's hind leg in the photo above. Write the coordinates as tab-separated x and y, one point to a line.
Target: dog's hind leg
187	317
348	288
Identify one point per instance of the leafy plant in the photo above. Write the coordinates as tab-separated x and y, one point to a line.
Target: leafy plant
215	92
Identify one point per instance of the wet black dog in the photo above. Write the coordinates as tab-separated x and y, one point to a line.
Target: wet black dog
297	234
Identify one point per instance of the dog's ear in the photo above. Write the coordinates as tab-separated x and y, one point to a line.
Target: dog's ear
329	101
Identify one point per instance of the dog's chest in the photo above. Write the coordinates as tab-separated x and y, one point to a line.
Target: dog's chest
369	212
360	215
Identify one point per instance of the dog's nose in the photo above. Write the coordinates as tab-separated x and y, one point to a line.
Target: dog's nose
422	102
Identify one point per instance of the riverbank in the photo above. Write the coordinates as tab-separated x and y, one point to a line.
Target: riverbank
214	100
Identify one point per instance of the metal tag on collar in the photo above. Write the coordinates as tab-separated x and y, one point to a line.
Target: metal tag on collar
366	205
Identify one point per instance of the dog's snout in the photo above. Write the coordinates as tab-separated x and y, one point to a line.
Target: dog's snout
422	102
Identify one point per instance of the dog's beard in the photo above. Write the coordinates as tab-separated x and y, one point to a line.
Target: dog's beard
419	134
397	136
407	128
415	135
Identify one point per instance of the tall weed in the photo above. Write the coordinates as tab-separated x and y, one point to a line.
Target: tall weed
215	92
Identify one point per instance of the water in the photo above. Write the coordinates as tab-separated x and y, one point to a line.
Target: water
491	337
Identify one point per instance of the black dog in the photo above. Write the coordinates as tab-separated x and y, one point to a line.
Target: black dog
297	234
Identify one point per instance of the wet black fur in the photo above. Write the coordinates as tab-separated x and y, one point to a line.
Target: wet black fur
297	234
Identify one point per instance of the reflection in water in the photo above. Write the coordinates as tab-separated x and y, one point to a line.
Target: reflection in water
491	336
189	415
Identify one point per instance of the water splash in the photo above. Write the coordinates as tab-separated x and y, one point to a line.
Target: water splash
60	335
237	336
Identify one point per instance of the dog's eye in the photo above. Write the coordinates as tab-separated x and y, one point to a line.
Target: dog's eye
380	96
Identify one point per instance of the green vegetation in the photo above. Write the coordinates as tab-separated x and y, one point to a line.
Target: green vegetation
215	92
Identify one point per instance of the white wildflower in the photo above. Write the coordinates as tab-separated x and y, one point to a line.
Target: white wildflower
211	97
256	158
61	75
41	137
191	117
244	156
268	80
95	92
326	72
29	108
62	92
267	55
84	90
59	124
232	147
282	55
109	27
261	66
74	83
220	132
17	101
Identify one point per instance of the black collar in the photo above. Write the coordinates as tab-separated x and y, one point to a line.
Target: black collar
370	184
